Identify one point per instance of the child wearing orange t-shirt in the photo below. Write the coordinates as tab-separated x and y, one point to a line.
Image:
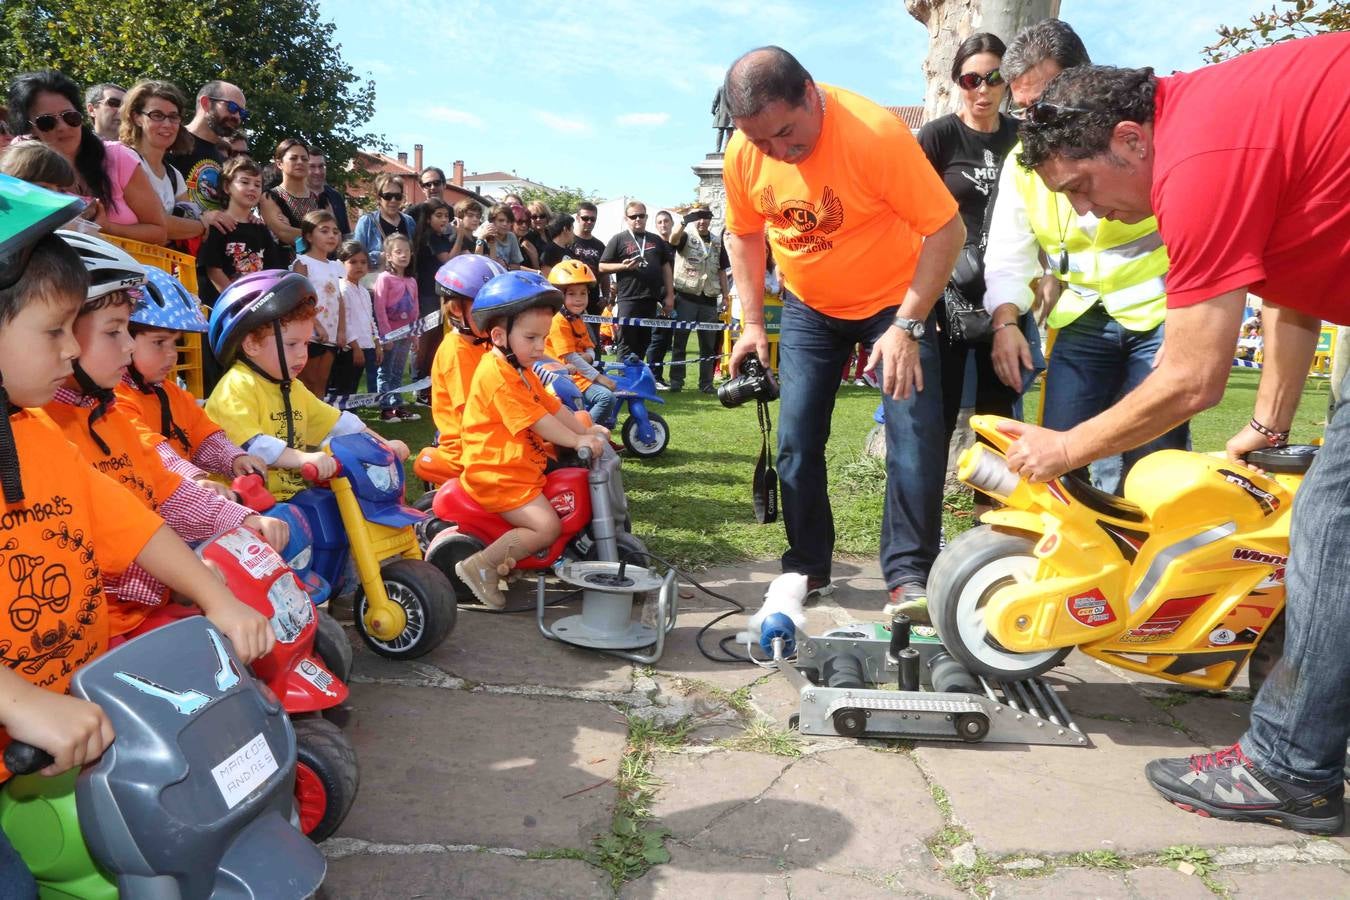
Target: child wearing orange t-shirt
569	341
85	410
169	419
63	525
508	421
457	282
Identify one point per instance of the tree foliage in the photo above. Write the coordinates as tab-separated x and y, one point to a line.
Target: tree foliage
279	52
559	200
1285	21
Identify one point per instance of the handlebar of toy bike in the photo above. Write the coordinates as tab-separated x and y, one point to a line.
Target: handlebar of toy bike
253	493
25	759
310	472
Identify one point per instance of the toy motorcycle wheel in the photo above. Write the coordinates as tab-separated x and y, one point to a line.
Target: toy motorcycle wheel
449	548
428	602
332	646
966	575
326	777
639	447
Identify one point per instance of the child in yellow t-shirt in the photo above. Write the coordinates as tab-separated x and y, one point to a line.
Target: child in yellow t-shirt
259	332
457	282
508	421
569	341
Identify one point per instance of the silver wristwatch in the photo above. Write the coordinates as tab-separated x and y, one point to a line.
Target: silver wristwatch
911	327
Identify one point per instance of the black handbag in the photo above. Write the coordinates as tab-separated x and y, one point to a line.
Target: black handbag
963	300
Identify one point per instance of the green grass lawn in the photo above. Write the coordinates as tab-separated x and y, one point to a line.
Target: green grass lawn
692	504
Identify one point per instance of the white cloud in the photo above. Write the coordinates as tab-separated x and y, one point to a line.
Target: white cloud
453	116
643	118
563	124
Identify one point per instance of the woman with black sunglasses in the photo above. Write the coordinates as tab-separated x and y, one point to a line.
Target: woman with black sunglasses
46	106
385	219
967	148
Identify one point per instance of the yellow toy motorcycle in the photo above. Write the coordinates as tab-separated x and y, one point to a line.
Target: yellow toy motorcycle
1181	579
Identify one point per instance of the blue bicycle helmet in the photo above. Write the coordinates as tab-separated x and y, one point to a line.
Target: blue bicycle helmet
510	294
251	302
166	303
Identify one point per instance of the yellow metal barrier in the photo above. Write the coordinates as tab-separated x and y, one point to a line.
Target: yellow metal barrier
184	268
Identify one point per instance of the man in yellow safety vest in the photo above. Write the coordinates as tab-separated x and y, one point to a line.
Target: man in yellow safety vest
1109	275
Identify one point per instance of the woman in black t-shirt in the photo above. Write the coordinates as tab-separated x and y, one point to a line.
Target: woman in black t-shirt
968	148
431	247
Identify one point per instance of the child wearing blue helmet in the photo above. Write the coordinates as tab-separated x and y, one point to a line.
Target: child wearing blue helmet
185	437
509	421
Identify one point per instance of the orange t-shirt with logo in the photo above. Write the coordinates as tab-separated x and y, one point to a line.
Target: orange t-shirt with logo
73	526
184	410
452	373
503	458
569	336
848	222
131	463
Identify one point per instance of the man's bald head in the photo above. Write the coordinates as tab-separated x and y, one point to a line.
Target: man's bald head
763	76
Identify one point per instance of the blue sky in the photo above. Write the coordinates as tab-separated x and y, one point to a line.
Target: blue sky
614	96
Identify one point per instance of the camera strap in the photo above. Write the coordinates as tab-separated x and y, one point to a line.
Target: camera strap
766	479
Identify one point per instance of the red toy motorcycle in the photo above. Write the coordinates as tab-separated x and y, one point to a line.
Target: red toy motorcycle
326	774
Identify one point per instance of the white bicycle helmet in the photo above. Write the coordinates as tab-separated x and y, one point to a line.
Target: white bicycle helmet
110	267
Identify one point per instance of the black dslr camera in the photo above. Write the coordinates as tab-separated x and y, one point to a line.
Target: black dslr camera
752	383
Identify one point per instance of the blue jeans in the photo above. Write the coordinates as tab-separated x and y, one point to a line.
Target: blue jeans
812	350
16	882
391	373
1095	362
601	404
1301	717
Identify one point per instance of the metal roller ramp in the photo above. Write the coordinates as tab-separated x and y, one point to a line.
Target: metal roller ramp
857	659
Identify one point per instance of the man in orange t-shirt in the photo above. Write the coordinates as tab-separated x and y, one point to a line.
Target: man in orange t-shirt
865	236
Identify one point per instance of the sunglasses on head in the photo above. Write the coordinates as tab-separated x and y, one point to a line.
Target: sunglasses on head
47	121
434	183
585	218
391	196
971	80
1041	114
232	108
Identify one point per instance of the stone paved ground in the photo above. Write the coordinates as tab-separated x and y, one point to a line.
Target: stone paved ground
490	767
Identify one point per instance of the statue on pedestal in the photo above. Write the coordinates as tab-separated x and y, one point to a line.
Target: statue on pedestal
721	119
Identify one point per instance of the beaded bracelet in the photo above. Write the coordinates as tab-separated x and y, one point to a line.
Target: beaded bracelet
1274	438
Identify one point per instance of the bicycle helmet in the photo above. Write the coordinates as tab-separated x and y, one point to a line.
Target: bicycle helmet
166	303
251	302
462	278
508	296
111	269
571	271
30	214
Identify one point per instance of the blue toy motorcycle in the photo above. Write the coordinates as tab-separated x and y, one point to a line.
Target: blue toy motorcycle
645	434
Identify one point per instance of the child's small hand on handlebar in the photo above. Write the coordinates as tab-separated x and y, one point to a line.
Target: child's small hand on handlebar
400	449
248	630
275	531
600	431
72	730
591	442
324	464
246	464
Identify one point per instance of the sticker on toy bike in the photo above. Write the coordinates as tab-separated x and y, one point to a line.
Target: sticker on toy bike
1266	500
316	676
253	553
1168	618
244	771
185	703
1276	578
292	609
1091	609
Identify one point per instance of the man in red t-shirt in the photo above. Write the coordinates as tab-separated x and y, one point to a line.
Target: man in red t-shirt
1246	164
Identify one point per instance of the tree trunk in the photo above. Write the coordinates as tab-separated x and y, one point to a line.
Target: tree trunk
950	22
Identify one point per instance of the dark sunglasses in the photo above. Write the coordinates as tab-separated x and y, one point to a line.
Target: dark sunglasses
112	102
539	218
47	121
232	108
1041	114
585	218
434	183
971	80
638	216
391	196
157	117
